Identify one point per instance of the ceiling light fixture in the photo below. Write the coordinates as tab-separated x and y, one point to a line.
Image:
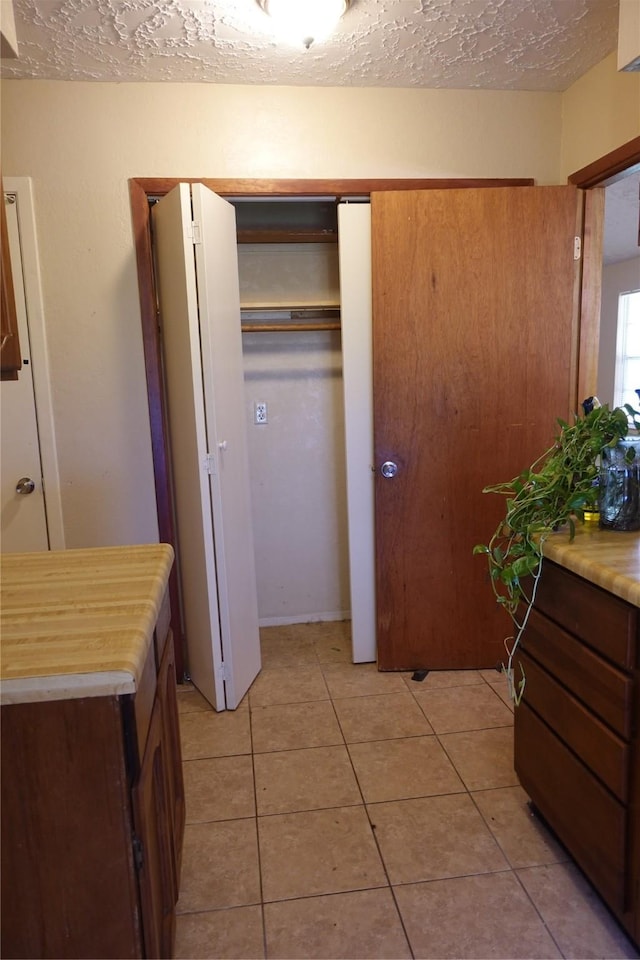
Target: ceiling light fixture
304	21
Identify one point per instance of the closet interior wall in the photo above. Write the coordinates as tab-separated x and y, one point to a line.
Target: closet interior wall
290	299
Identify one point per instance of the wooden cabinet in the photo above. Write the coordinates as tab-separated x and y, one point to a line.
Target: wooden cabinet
577	746
93	818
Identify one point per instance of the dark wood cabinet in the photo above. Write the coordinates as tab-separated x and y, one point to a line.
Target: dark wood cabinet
93	819
152	844
577	746
172	751
159	809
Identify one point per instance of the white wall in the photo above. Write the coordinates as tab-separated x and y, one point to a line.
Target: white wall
297	459
298	484
82	141
617	278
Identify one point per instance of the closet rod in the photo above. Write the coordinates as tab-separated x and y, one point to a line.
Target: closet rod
282	327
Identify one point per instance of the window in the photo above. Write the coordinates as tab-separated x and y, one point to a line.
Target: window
627	379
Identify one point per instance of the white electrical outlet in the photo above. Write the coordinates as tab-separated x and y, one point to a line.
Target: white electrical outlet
260	411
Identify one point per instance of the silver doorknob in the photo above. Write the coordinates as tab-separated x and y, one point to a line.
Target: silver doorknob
389	469
25	485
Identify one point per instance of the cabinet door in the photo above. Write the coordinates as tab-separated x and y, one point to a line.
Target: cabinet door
587	818
173	754
154	845
68	881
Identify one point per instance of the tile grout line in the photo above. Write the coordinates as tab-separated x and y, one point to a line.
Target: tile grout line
510	869
373	834
372	831
542	919
343	744
257	826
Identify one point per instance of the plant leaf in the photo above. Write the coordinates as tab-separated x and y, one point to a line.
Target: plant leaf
542	498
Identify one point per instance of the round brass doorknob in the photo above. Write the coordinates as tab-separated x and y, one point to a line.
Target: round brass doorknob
25	485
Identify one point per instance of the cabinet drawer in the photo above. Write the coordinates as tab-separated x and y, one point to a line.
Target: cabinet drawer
596	682
604	753
602	620
588	819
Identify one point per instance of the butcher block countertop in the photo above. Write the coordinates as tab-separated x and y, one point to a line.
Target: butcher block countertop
78	623
608	558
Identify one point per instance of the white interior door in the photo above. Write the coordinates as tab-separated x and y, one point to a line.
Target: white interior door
354	244
207	441
23	517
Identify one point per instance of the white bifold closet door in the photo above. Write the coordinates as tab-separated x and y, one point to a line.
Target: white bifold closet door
197	275
354	250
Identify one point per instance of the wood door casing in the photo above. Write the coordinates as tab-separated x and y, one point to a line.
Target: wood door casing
10	355
474	333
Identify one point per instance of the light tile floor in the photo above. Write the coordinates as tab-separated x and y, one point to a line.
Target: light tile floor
340	812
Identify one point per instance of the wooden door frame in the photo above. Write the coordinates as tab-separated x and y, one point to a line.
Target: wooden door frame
593	179
141	191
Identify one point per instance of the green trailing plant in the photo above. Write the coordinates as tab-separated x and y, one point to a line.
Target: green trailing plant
554	491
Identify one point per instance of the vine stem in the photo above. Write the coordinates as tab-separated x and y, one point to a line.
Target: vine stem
554	490
516	695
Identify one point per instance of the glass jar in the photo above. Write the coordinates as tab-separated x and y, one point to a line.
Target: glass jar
619	492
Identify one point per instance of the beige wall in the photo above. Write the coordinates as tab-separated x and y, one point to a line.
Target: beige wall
617	278
600	112
297	458
80	142
298	476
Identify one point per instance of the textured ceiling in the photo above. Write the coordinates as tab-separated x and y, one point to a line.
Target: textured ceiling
489	44
485	44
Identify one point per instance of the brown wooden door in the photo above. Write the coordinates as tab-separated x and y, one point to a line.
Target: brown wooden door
474	326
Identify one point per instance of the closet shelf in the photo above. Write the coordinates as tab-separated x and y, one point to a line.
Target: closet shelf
299	318
287	236
307	327
280	306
